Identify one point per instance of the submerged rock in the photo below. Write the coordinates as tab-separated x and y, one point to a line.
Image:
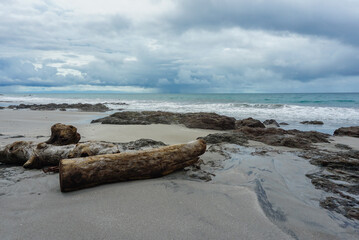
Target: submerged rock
283	124
190	120
312	122
249	122
85	107
347	131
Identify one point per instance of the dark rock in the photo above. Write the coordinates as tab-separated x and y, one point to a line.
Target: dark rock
283	124
234	138
249	122
208	121
343	206
271	122
2	108
116	103
85	107
62	109
343	146
312	122
347	131
312	136
62	134
281	137
190	120
17	136
338	175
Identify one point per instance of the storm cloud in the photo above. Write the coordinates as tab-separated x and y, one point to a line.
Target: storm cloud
179	46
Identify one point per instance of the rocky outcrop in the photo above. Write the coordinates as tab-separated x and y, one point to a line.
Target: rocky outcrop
249	122
312	122
190	120
271	123
283	124
281	137
338	175
62	134
84	107
234	138
347	131
208	121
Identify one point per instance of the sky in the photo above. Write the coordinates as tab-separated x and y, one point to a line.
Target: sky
184	46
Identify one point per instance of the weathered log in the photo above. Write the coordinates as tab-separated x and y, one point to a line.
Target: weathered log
78	173
50	155
17	153
38	155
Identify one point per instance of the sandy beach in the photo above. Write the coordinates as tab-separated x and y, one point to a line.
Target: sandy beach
251	196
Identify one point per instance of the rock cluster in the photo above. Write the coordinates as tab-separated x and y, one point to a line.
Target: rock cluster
190	120
85	107
281	137
271	123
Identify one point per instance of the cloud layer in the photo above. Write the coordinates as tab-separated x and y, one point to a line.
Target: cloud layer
179	46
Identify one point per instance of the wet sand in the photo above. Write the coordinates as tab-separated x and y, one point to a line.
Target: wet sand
251	197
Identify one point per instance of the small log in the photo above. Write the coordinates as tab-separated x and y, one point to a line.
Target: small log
62	134
78	173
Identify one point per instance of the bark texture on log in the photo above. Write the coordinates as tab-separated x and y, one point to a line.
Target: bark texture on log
78	173
50	155
17	152
38	155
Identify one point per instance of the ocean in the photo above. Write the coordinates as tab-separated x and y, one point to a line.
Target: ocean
334	109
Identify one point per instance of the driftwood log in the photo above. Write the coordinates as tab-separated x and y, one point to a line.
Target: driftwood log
78	173
38	155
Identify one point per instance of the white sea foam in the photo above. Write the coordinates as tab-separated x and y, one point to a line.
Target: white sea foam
333	117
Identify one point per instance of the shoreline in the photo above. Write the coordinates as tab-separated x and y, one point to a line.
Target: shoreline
233	202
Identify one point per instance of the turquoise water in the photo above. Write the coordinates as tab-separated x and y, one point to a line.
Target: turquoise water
334	109
307	99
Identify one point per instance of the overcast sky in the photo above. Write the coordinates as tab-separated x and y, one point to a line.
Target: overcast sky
179	46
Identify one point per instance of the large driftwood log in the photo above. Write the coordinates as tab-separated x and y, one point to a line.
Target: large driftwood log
78	173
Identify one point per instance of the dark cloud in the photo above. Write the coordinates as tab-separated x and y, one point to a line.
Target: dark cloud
193	46
332	19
